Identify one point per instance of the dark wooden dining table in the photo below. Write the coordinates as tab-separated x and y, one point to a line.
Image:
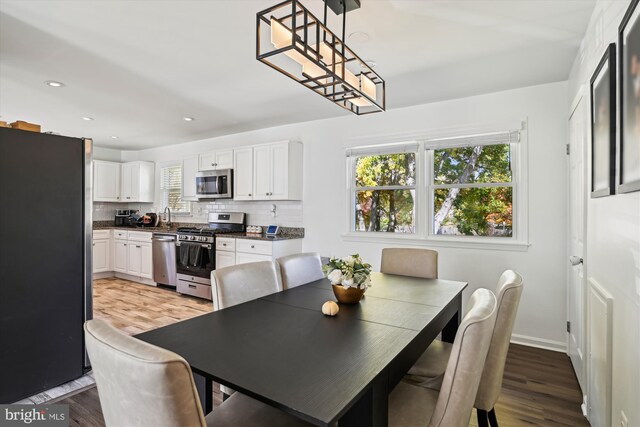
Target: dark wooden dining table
281	349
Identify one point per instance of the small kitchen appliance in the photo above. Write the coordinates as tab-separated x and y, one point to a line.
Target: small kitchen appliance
195	252
216	184
122	217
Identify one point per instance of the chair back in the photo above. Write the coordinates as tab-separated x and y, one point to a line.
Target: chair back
244	282
140	384
410	262
299	269
464	369
508	294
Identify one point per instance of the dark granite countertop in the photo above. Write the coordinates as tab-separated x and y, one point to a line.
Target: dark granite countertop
255	236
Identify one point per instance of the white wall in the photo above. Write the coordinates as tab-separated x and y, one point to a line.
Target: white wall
613	235
541	320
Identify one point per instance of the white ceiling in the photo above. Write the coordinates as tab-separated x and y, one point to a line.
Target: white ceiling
138	67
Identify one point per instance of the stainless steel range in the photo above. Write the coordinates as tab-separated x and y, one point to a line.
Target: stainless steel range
195	252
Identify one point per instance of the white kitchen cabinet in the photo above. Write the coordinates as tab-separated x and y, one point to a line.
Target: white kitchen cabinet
225	259
189	169
215	160
242	258
249	250
277	171
106	181
146	261
101	251
243	174
134	258
137	182
120	256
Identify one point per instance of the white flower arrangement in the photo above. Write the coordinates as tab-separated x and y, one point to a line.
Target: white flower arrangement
349	271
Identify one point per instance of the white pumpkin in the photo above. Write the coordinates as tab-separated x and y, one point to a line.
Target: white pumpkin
330	308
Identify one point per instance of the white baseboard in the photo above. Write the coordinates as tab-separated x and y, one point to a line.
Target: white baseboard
103	275
136	279
539	343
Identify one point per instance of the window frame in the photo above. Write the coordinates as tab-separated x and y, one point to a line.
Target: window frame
424	195
162	190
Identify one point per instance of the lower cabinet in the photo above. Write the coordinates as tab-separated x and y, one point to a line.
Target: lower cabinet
242	251
131	254
101	251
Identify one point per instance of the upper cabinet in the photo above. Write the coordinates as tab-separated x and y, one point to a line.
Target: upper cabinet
137	182
190	167
214	160
106	181
269	172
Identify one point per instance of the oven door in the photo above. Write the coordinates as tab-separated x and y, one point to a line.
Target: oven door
214	184
195	258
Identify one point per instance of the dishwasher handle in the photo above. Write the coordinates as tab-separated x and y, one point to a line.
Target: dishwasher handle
163	239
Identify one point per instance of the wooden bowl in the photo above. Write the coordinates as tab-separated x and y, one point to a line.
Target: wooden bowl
349	295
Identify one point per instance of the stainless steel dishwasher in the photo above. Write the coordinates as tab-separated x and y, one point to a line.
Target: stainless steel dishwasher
164	258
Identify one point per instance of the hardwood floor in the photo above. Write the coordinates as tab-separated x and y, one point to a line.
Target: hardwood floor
539	387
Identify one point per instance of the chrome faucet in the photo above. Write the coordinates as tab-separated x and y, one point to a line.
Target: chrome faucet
168	221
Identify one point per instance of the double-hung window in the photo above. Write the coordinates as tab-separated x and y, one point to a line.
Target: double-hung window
465	188
384	189
171	189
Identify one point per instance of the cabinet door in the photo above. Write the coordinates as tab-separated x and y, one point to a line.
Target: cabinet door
120	256
146	260
134	258
243	174
207	161
225	259
242	258
106	181
189	170
224	159
100	256
127	182
262	172
279	171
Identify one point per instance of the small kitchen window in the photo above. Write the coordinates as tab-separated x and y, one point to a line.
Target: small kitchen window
171	190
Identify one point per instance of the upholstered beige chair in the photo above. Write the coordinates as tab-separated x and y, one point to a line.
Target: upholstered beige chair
299	269
429	370
410	262
244	282
241	283
140	384
411	405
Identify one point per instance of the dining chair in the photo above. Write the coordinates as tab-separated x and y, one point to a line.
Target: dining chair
429	371
410	262
244	282
299	269
240	283
140	384
412	405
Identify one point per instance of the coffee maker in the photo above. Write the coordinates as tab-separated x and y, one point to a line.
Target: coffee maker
122	218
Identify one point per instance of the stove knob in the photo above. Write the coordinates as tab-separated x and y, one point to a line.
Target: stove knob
192	237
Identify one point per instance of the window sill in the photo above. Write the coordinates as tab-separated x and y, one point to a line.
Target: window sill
464	243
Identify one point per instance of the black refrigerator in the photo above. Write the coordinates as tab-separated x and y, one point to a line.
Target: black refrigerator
45	260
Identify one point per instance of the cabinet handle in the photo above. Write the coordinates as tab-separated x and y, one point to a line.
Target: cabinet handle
192	286
253	246
249	194
124	244
137	246
224	244
94	244
128	197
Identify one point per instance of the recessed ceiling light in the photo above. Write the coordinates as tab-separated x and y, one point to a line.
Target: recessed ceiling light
88	119
114	137
54	83
371	63
359	37
188	119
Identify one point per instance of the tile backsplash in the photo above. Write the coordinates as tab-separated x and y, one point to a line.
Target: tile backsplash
287	213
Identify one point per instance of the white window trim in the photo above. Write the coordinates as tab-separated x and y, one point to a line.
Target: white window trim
161	195
424	205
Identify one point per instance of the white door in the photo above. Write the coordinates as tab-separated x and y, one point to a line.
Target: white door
126	181
146	260
243	174
224	159
189	170
225	259
577	220
280	171
207	161
134	258
120	256
100	260
262	172
106	181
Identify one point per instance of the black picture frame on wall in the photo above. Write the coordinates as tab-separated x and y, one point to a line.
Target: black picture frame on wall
629	69
603	125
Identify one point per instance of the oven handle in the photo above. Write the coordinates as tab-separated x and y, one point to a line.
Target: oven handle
204	245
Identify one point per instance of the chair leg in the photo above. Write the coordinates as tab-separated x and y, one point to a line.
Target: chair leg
492	418
482	418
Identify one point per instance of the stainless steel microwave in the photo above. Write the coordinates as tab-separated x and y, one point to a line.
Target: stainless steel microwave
215	184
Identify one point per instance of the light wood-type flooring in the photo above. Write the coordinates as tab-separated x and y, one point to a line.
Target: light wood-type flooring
539	387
